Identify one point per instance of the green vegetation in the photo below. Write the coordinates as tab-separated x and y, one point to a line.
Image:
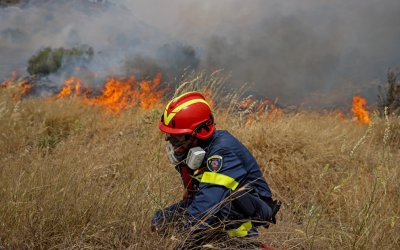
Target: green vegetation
49	60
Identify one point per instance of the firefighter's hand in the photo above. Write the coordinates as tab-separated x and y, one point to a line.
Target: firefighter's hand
157	221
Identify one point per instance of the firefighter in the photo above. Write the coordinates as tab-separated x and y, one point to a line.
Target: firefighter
223	184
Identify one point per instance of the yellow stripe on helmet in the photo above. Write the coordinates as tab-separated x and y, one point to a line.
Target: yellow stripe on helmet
177	98
168	117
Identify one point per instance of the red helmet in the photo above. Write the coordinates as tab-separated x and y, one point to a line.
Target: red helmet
188	114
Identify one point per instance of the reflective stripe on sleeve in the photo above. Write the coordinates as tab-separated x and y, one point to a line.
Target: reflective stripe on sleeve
219	179
241	231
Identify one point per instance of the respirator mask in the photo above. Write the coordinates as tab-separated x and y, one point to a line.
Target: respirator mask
192	157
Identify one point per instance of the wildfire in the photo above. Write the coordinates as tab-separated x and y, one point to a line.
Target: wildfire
208	95
21	84
25	88
117	94
246	104
148	95
72	86
272	109
122	93
9	81
253	109
359	111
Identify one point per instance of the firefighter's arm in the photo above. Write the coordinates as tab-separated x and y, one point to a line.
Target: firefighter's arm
223	175
186	176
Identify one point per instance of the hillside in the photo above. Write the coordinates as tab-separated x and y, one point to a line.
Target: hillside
75	176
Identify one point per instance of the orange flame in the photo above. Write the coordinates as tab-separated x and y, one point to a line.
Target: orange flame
148	94
9	81
26	87
22	84
268	106
254	109
72	86
246	104
208	95
117	94
359	111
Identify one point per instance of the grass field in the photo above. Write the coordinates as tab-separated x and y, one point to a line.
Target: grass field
73	176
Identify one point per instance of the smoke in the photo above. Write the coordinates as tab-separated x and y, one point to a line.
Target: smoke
310	52
120	40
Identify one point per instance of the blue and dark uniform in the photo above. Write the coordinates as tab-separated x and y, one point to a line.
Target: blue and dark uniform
231	189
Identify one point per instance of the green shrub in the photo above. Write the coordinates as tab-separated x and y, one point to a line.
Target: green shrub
49	60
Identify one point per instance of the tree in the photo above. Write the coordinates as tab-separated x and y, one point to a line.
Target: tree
389	96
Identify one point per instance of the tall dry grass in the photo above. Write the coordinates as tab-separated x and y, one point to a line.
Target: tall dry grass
74	177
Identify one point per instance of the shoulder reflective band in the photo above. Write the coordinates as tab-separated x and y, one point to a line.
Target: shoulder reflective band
241	231
219	179
168	117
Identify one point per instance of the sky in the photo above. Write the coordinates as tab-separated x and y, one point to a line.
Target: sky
300	52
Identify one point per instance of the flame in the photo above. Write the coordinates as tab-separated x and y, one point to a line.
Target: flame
359	111
22	84
25	88
148	94
246	104
254	109
9	81
72	86
117	94
208	96
273	111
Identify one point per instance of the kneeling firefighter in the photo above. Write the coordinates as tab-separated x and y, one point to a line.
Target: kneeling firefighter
223	182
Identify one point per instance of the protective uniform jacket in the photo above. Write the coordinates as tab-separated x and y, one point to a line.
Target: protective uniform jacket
228	166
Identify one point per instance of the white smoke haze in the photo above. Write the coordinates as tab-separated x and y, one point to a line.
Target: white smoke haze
310	52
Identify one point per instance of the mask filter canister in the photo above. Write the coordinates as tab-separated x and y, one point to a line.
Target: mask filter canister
195	157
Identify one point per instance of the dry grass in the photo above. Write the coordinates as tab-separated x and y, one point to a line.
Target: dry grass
72	176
